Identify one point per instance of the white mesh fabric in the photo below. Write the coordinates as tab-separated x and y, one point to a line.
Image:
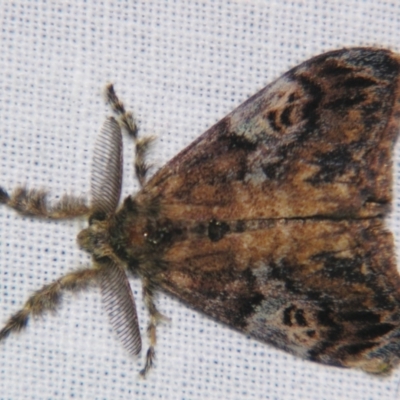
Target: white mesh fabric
180	66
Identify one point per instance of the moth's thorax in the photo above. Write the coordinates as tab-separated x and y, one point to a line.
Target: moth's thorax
138	230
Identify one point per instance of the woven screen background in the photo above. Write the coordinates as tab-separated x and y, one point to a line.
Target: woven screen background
180	66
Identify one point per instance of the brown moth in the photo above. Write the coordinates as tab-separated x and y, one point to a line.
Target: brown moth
272	221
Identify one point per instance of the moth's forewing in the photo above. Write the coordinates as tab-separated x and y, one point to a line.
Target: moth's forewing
316	142
323	290
272	221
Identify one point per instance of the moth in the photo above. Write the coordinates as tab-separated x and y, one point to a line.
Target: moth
272	221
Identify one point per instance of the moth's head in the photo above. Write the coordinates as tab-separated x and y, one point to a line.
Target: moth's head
96	239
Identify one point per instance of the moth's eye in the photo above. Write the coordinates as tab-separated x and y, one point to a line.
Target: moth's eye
97	216
102	260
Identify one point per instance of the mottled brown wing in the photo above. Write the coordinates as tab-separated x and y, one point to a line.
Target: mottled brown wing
316	142
272	221
324	290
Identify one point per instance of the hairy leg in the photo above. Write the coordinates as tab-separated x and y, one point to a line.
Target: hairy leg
33	202
127	122
155	318
48	298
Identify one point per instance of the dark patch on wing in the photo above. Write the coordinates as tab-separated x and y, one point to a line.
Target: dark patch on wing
375	331
271	116
294	316
246	303
245	306
285	116
300	317
358	82
283	271
356	348
230	140
240	226
240	142
311	106
273	171
217	230
325	317
314	295
346	102
363	316
332	164
234	307
347	269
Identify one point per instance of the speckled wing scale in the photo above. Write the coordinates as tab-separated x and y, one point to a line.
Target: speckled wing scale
271	222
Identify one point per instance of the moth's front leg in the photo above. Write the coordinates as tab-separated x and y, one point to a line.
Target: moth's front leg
127	122
33	202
